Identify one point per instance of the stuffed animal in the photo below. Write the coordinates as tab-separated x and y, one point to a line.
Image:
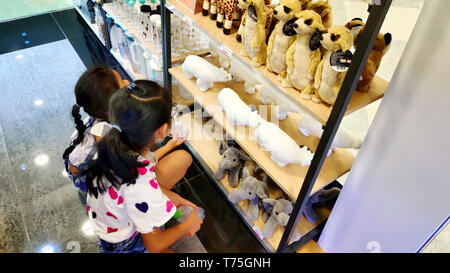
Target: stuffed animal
269	96
304	54
329	77
211	6
320	199
240	74
342	139
254	34
231	162
237	112
283	148
277	213
380	48
321	7
282	36
205	72
250	189
269	19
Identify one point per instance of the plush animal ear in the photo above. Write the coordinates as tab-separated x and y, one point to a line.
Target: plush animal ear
260	192
223	147
244	156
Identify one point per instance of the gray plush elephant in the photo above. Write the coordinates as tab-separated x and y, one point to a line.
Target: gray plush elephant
320	199
277	213
250	189
231	161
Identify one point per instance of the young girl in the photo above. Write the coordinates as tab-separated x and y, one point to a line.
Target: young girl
92	91
129	195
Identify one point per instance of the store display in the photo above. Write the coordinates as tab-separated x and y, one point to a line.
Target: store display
205	72
250	189
321	7
177	127
244	18
282	36
304	55
254	35
277	213
137	50
332	69
145	22
231	163
268	96
237	111
342	139
283	148
320	199
380	48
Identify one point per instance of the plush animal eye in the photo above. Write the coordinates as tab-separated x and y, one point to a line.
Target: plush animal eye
289	214
234	160
250	193
276	212
335	37
286	9
308	22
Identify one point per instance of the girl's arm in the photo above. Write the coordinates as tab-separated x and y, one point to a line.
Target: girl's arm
158	240
170	145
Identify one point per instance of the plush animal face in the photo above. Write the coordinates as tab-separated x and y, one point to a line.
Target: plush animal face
225	76
281	209
231	157
251	188
338	38
287	9
382	43
308	22
355	26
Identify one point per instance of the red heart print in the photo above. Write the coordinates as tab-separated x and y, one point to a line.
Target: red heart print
153	183
146	161
120	201
112	215
111	230
169	206
112	193
89	208
142	171
152	169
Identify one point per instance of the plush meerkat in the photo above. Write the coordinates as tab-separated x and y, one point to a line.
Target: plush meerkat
282	36
328	79
304	54
380	48
254	34
322	7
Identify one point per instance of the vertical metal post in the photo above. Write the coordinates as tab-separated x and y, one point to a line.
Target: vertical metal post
166	45
376	18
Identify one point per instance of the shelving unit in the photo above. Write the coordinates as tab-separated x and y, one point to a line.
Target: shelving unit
206	145
288	178
298	183
93	27
107	7
232	48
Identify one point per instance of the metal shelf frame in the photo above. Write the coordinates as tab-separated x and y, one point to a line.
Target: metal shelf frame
377	14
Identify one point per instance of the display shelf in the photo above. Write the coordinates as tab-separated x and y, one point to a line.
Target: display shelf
232	48
289	178
206	144
93	27
126	26
126	65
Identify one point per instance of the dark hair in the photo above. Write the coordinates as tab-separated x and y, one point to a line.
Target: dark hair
92	92
139	110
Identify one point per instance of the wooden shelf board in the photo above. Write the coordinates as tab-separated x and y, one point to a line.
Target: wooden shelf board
207	145
179	99
289	178
148	44
320	112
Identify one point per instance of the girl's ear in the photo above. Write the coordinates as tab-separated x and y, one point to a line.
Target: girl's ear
162	131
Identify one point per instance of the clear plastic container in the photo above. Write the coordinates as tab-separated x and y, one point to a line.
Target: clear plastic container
183	213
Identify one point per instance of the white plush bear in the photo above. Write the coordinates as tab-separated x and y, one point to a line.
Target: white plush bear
205	72
267	96
241	73
343	138
236	110
283	148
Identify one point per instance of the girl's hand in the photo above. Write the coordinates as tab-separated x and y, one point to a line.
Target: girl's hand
175	141
193	223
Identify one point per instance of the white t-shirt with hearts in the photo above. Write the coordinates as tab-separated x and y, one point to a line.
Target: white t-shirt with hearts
118	215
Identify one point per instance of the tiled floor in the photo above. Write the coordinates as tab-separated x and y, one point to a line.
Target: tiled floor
40	59
23	8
